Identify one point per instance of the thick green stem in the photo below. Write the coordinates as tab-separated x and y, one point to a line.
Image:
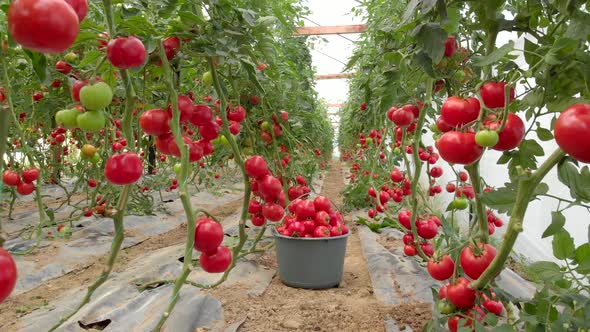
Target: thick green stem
490	46
418	165
526	189
3	137
115	247
183	188
482	220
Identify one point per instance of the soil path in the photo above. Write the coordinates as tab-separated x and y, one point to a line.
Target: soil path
351	307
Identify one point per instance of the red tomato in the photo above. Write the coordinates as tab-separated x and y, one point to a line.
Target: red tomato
126	52
402	117
427	229
256	167
208	235
427	248
442	269
296	229
92	183
321	231
217	262
404	218
396	175
459	148
456	111
475	261
123	168
46	26
450	187
463	176
7	274
237	113
492	94
460	295
185	106
322	218
25	188
10	178
155	122
163	143
201	115
442	125
495	307
254	207
410	250
76	87
322	203
258	220
572	132
408	238
171	47
305	209
63	67
80	7
450	46
512	134
272	211
436	172
210	131
335	231
270	188
30	175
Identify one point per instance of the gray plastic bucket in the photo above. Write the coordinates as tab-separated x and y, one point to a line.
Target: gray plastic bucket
310	262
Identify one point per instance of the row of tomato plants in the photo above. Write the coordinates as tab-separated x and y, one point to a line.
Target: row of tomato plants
432	71
184	88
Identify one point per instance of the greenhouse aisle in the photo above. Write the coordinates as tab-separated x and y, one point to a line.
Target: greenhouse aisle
337	309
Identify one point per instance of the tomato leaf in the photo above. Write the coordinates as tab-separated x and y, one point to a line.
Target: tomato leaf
39	62
431	38
425	63
578	27
545	271
557	222
496	55
410	9
526	154
563	245
582	258
544	134
579	183
501	199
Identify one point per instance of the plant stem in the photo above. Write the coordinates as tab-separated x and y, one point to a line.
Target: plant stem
115	247
526	189
418	165
473	171
183	188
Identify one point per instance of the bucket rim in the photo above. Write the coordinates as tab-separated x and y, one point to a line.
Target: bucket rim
276	234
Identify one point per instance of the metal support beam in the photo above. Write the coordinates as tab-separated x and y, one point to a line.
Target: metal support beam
333	76
331	30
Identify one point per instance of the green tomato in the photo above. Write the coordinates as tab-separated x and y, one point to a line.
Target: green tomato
95	159
67	118
434	128
460	203
445	307
265	126
207	78
486	138
96	96
71	57
460	76
91	121
369	140
397	150
177	168
248	142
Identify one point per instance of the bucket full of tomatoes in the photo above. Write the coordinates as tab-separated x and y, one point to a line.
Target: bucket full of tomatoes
311	245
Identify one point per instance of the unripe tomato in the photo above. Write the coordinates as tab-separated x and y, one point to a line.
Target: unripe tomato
486	138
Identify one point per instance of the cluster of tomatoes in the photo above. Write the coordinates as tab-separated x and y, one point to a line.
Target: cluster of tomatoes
457	298
214	258
459	143
427	227
268	189
23	182
268	132
312	218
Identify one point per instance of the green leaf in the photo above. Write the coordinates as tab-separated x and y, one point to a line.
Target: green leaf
578	26
563	245
431	38
410	9
546	271
557	222
425	63
501	199
39	62
544	134
582	258
90	57
562	47
496	55
578	183
526	154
